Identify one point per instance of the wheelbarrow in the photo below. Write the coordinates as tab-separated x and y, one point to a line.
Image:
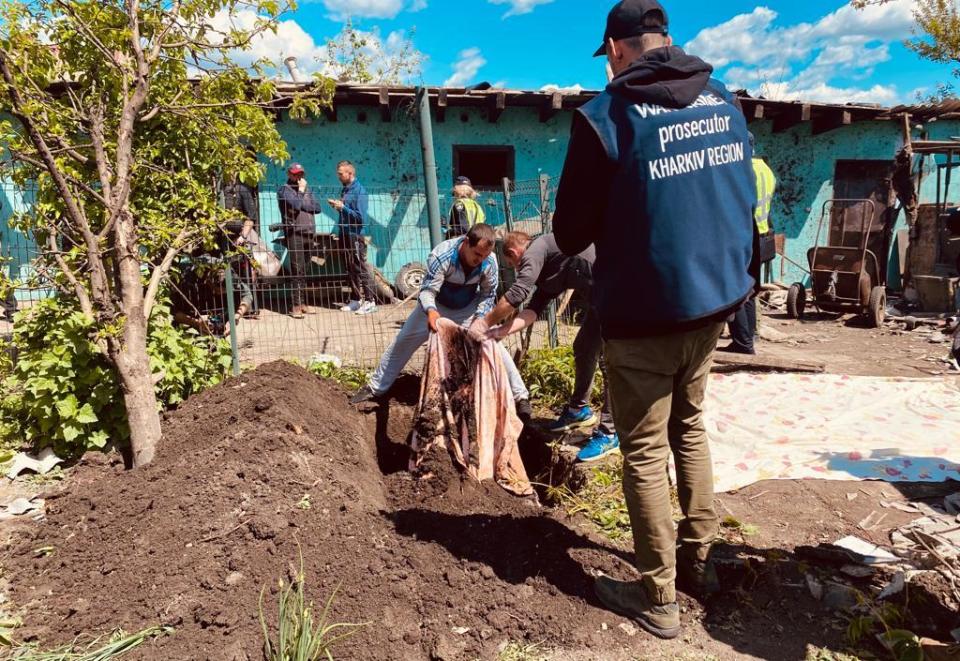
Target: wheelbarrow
847	276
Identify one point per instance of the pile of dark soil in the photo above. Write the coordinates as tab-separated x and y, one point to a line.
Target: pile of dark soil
274	464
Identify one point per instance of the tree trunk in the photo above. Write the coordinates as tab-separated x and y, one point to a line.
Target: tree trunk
143	416
130	357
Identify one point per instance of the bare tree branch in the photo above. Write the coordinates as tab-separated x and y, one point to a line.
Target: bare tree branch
161	270
82	296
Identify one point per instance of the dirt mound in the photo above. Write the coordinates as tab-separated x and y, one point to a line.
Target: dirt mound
273	463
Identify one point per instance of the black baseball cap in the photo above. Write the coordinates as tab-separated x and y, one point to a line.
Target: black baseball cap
464	181
631	18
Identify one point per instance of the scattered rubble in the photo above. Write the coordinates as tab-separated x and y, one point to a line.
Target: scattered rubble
40	464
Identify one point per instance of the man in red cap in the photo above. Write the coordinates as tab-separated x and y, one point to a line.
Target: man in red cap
297	211
658	177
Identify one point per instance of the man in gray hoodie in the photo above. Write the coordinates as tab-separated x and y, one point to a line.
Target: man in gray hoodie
543	274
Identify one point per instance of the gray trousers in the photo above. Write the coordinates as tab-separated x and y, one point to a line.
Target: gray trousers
587	355
415	333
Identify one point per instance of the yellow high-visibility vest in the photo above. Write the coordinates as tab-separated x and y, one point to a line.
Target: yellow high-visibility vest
475	213
766	186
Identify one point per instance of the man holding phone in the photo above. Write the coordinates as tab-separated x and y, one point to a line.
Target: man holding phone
352	210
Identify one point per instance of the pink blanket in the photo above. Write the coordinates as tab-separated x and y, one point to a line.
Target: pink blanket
466	406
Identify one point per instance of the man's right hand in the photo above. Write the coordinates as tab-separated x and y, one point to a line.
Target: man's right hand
499	333
432	318
302	185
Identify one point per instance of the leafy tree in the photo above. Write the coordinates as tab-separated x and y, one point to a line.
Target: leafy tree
937	35
360	57
125	114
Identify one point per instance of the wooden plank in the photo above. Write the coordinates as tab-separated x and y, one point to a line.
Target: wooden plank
498	102
831	120
733	362
385	104
551	107
791	116
442	105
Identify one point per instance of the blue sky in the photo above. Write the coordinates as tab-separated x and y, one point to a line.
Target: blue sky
818	50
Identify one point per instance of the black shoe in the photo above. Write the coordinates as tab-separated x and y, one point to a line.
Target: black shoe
736	348
524	411
364	395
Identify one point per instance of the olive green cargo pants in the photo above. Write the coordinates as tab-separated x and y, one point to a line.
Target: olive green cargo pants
657	387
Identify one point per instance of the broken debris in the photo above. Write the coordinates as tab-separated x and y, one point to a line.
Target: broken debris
41	464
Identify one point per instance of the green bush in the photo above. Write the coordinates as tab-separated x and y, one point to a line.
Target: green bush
550	375
350	378
62	392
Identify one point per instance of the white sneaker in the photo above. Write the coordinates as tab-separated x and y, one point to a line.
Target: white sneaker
368	307
352	306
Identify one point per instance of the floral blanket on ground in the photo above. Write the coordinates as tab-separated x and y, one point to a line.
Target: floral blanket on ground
832	427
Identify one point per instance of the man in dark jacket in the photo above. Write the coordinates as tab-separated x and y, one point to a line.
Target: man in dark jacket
658	176
543	274
297	211
352	209
242	197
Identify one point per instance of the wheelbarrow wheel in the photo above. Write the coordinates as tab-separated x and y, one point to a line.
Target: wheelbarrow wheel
877	308
796	301
409	279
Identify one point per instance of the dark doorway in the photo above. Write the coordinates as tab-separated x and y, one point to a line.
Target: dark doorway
486	166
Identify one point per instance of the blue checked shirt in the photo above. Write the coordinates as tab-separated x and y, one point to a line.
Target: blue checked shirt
448	285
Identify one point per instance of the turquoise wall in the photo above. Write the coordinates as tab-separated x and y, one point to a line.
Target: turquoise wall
388	160
805	165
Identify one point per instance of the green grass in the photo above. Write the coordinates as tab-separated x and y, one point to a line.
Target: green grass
600	500
523	652
549	375
351	378
117	645
301	633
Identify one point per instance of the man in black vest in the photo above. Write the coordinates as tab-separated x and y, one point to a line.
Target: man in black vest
658	176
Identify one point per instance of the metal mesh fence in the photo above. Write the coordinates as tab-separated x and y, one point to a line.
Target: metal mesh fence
396	247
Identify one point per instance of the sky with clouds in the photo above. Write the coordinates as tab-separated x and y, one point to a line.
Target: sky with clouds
817	50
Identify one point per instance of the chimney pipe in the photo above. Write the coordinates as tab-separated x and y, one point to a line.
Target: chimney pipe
295	74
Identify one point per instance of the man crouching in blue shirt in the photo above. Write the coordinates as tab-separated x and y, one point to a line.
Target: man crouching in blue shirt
461	285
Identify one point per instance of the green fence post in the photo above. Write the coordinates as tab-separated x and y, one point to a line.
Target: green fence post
429	167
232	320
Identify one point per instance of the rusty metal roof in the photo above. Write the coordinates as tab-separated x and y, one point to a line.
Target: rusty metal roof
947	109
783	114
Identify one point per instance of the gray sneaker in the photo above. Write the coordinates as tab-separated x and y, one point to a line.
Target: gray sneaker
630	599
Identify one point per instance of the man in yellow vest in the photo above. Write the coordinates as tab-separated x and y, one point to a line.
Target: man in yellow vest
743	326
466	211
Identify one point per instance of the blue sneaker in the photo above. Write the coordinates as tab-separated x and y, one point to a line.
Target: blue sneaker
599	446
582	418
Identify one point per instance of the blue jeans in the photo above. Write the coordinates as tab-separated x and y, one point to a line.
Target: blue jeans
415	333
743	328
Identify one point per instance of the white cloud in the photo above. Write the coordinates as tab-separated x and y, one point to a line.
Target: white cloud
518	7
802	60
292	40
466	67
821	92
568	89
343	9
289	40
